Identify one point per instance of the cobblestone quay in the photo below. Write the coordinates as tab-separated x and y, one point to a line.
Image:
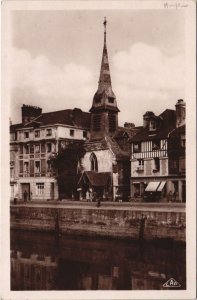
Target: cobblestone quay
116	220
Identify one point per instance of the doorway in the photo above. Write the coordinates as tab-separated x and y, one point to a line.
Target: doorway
25	187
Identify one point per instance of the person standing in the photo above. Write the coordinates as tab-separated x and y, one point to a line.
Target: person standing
88	196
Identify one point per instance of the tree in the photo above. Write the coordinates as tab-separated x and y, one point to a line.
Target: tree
67	165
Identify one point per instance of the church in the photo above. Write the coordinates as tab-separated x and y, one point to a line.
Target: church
105	167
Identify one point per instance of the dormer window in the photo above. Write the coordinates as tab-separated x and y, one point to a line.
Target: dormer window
152	125
37	133
136	147
49	132
26	134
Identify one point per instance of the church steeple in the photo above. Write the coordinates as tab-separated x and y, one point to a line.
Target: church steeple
104	107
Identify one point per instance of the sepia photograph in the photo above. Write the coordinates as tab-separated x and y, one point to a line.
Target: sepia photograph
100	196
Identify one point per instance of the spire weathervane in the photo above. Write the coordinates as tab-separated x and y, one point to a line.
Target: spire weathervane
105	24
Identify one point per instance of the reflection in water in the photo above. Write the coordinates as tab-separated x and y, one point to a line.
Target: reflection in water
39	261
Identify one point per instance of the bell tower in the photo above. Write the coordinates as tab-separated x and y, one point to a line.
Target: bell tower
104	110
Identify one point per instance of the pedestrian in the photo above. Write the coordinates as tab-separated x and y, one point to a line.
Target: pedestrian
94	196
98	201
88	196
25	196
91	196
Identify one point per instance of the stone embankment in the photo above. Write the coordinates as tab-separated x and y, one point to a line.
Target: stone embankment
116	220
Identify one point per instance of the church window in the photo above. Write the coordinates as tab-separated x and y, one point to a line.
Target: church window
93	162
111	100
97	100
97	122
112	122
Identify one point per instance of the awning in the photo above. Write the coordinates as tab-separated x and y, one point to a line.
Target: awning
160	188
152	186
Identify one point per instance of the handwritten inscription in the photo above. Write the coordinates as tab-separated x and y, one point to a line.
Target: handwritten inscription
176	5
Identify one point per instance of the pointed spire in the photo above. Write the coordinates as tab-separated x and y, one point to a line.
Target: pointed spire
104	79
104	97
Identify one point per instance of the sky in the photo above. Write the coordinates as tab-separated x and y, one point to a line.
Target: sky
55	59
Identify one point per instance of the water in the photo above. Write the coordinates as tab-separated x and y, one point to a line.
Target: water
41	261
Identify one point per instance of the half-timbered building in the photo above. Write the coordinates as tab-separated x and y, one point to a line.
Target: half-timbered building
158	157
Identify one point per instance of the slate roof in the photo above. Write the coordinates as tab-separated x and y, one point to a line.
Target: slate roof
116	149
14	127
72	117
121	131
97	179
107	143
167	122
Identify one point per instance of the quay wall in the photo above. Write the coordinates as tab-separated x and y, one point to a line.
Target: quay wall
108	222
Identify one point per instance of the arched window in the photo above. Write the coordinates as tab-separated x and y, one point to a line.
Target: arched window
93	162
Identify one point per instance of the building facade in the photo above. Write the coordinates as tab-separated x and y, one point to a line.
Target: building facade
33	145
158	157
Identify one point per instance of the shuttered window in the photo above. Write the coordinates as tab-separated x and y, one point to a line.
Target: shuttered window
43	148
31	149
43	167
32	167
20	166
21	149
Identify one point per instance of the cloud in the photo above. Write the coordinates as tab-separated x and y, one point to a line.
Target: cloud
146	79
143	78
53	87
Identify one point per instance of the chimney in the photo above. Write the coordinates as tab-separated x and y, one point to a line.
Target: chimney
29	113
180	113
129	125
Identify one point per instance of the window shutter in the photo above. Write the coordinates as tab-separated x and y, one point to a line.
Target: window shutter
21	149
43	167
20	166
43	148
31	167
31	149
